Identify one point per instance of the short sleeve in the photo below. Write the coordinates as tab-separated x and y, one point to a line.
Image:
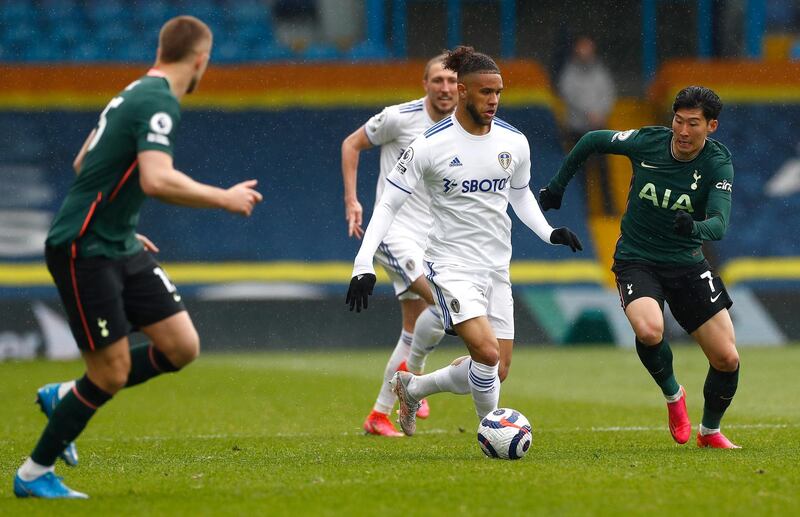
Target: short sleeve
155	125
382	127
522	173
411	166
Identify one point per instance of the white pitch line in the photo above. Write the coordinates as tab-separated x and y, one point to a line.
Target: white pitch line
234	436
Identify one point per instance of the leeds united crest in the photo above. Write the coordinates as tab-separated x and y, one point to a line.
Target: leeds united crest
505	159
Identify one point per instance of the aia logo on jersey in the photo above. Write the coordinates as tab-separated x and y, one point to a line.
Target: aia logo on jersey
505	160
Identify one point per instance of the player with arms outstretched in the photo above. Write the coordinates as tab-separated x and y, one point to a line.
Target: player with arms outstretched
107	279
680	196
400	251
472	164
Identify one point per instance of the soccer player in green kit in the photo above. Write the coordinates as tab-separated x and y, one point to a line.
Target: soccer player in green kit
107	279
680	196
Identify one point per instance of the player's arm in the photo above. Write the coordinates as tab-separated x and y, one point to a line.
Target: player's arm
594	142
351	150
718	211
400	184
527	209
159	179
77	163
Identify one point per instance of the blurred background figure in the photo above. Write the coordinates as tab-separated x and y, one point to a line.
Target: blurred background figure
587	89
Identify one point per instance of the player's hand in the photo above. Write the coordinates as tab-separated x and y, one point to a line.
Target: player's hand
565	237
683	223
147	243
354	214
242	198
360	288
548	200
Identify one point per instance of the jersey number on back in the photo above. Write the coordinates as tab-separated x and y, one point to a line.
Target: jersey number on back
101	124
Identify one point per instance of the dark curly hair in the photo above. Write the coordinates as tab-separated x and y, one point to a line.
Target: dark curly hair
464	60
693	97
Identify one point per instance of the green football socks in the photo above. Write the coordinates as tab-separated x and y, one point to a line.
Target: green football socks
68	420
658	361
147	362
719	389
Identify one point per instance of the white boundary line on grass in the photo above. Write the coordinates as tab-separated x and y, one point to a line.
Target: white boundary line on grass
233	436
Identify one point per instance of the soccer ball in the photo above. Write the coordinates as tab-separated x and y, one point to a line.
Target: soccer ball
505	433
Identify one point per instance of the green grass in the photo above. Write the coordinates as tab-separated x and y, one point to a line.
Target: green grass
279	434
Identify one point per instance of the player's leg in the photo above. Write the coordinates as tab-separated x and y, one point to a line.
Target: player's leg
411	305
642	298
107	372
700	303
716	338
154	306
428	329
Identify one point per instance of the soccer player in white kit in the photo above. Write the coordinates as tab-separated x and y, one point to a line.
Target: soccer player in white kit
472	164
401	250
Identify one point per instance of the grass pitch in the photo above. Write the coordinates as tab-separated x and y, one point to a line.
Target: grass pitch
279	434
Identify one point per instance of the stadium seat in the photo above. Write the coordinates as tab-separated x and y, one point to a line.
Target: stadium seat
318	52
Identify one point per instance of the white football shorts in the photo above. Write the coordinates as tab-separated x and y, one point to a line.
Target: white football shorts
465	293
401	257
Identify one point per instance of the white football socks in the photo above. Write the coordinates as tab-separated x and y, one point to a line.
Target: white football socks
485	386
386	398
428	332
705	431
64	388
452	378
31	470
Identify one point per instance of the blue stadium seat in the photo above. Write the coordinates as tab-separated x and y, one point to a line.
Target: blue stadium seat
135	51
86	51
268	51
153	13
17	11
320	52
106	11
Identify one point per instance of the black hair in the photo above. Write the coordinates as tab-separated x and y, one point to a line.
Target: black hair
693	97
464	60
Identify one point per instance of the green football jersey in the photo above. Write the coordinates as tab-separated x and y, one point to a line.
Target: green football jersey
101	210
661	185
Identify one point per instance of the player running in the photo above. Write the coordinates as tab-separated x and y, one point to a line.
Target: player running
106	276
472	165
400	252
680	196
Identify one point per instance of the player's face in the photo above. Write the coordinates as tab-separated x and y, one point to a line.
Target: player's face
690	129
480	94
441	88
202	56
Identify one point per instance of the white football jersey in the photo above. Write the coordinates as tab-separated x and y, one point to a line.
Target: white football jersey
468	178
393	129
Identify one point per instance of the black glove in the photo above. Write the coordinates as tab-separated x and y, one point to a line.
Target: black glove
683	224
565	236
548	200
359	291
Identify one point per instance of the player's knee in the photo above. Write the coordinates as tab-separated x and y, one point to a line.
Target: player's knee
649	333
113	378
727	362
187	350
488	353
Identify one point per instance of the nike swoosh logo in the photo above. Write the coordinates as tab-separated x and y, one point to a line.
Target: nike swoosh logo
648	166
715	298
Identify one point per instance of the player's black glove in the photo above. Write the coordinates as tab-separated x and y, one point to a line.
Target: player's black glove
565	236
359	291
548	200
683	224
